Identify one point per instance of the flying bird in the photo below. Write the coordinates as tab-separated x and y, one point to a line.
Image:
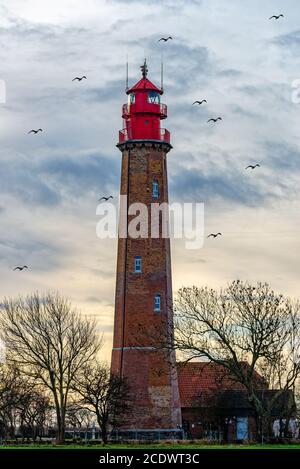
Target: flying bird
214	120
35	131
276	17
20	268
79	78
105	198
165	39
214	235
253	166
200	102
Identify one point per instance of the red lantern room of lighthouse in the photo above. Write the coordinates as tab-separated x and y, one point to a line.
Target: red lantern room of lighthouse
143	112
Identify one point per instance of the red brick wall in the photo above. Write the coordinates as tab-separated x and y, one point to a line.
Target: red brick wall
151	376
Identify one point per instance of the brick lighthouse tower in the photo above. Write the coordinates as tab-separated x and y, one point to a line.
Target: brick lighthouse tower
144	281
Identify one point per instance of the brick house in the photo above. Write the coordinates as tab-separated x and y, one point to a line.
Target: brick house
215	407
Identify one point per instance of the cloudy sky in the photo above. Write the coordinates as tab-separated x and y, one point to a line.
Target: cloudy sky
225	51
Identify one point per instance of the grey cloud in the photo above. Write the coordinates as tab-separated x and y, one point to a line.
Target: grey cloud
28	31
46	182
166	4
282	157
195	185
23	182
277	93
43	33
103	273
250	90
93	299
288	40
93	171
112	90
184	64
242	110
35	252
277	178
230	72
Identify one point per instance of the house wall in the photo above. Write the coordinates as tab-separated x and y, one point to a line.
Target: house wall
204	423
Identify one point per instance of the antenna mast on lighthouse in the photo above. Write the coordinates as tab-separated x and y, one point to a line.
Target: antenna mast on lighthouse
126	86
162	74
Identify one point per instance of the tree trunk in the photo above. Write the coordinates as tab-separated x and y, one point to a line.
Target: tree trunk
60	437
103	426
60	417
60	434
104	434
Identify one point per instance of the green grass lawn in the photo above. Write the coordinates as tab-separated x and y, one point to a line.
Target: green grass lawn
151	446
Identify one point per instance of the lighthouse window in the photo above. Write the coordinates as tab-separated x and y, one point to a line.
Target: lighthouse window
138	264
132	98
155	193
153	97
157	303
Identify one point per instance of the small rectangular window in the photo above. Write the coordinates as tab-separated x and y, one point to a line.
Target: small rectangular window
155	192
153	97
157	306
138	264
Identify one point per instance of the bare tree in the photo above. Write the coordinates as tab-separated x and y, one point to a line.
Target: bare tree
34	409
79	419
50	342
10	388
250	331
24	406
105	395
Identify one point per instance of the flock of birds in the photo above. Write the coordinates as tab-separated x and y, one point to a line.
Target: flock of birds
198	102
215	120
20	268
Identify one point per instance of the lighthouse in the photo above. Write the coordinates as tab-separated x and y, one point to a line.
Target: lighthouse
143	299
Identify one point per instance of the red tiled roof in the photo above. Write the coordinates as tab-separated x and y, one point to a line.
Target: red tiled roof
144	84
204	379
